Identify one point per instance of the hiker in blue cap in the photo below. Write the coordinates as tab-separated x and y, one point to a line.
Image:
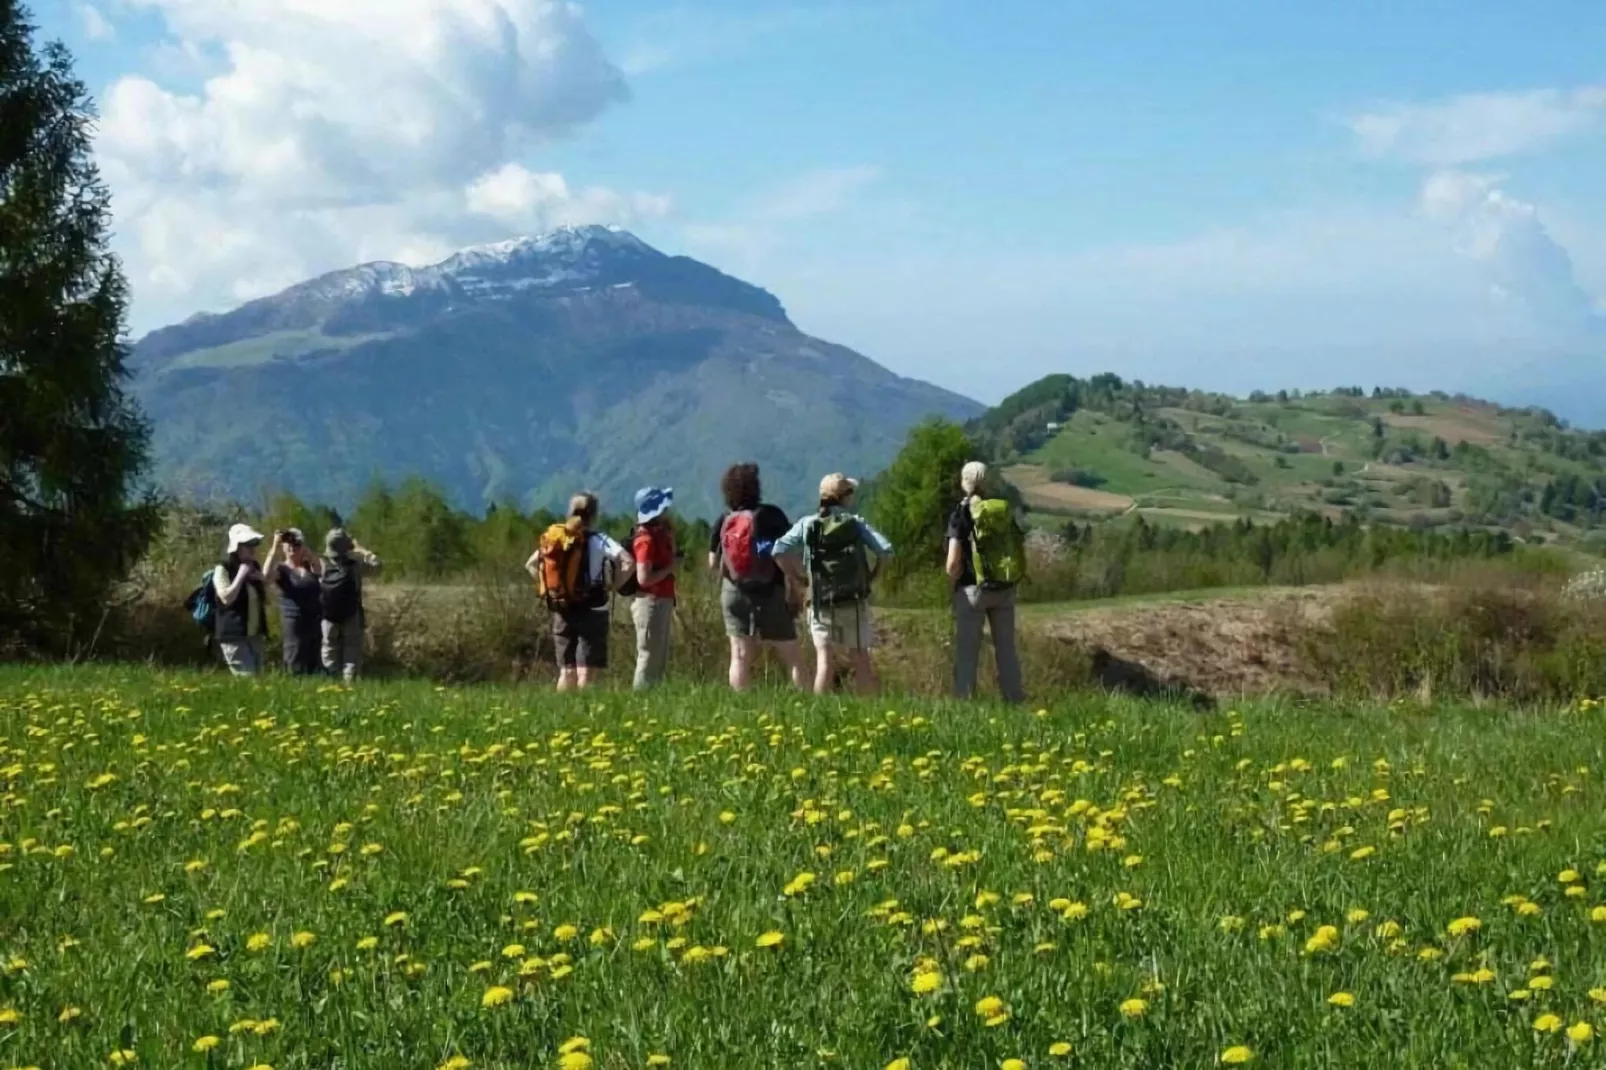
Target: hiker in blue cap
654	607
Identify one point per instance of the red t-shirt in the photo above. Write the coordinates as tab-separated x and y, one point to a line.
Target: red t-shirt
656	548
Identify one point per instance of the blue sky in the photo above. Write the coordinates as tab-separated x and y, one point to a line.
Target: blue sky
1230	195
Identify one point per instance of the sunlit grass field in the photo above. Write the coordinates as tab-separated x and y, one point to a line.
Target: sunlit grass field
199	873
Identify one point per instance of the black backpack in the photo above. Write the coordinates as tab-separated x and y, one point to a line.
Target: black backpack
340	590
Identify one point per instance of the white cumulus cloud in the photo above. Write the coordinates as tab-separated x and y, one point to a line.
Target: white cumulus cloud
94	23
1526	268
1479	126
324	132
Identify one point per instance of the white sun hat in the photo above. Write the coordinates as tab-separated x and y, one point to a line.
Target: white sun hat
240	534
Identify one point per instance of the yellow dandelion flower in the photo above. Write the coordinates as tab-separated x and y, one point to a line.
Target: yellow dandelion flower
1581	1033
456	1062
10	1016
1547	1023
303	940
657	1059
199	952
1059	1049
1542	983
205	1044
990	1006
1237	1055
1012	1064
565	933
122	1057
575	1060
1342	999
367	943
925	982
898	1064
495	996
1134	1008
771	939
1464	926
398	917
69	1014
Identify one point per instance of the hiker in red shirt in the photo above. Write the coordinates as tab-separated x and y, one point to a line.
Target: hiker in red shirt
654	608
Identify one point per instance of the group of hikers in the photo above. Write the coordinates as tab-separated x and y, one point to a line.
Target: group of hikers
771	570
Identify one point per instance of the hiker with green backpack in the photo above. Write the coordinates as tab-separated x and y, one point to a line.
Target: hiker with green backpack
986	561
840	556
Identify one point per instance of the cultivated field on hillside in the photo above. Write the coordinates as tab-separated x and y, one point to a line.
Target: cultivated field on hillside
200	873
1190	458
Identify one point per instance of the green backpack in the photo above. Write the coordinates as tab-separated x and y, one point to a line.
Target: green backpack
998	545
839	565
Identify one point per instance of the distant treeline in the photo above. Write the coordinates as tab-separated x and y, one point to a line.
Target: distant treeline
1128	558
421	536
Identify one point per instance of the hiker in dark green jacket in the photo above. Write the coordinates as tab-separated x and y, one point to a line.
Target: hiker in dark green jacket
838	555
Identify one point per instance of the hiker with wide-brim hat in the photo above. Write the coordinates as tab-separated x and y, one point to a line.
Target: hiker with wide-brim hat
241	628
653	610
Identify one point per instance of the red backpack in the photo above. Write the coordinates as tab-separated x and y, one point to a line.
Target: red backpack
748	562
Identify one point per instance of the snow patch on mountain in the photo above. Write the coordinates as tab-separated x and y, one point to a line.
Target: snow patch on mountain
563	257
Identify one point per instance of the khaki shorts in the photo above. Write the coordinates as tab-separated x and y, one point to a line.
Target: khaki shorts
847	628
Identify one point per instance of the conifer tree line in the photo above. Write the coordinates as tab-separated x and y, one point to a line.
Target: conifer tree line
73	513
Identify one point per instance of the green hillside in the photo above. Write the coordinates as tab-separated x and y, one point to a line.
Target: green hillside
1102	446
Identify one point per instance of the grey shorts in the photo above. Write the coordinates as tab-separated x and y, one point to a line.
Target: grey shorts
762	615
581	638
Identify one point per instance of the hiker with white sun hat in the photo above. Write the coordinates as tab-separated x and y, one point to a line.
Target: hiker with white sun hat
241	603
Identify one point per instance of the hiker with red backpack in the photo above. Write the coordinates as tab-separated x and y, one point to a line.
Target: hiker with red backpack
841	554
653	611
576	570
757	597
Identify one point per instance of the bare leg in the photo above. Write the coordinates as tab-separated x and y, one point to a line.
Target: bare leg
791	655
743	652
824	668
588	677
566	678
865	680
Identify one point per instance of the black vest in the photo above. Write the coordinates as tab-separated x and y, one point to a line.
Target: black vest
232	620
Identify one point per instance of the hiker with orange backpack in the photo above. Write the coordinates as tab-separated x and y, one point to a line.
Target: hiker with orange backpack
757	596
576	570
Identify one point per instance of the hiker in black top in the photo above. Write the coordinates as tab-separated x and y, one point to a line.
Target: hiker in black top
756	596
976	605
300	601
345	564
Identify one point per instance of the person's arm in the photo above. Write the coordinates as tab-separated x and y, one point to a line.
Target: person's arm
366	558
228	592
788	553
714	546
646	575
956	562
625	568
273	556
533	565
876	541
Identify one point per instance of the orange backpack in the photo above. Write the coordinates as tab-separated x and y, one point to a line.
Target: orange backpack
564	578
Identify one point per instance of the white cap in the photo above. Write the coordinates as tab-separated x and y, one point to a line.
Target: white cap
240	534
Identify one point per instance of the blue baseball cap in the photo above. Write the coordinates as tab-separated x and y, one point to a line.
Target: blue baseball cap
653	502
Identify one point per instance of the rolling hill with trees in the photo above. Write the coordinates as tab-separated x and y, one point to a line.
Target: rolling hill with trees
1100	447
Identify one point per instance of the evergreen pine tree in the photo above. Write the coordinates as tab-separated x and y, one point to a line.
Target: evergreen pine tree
72	443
